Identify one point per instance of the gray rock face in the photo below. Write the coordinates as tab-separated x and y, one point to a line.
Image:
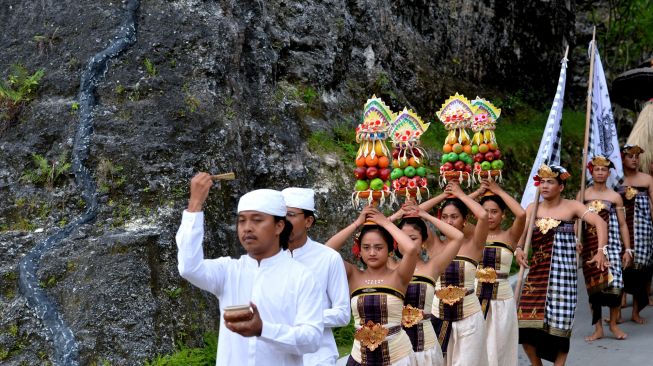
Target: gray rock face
232	86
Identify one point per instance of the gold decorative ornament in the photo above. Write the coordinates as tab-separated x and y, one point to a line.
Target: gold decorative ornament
600	160
451	294
630	193
411	316
486	275
596	206
371	335
546	224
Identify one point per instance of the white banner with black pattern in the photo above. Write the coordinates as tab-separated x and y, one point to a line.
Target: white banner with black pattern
603	132
549	151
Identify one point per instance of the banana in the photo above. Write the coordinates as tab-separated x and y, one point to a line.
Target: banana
451	137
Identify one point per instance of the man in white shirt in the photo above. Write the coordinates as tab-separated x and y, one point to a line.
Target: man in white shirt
327	267
286	320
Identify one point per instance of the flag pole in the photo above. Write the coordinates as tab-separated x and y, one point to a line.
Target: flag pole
588	118
529	233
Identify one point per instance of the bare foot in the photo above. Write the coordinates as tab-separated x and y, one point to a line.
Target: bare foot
598	334
618	333
619	320
638	319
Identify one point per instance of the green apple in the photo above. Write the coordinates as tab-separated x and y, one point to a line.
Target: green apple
474	149
361	185
376	184
396	173
410	171
486	165
453	157
421	171
497	165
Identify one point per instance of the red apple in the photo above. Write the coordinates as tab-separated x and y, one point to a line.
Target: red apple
360	172
479	157
384	173
372	172
497	154
468	168
416	153
489	156
403	181
447	166
459	165
395	154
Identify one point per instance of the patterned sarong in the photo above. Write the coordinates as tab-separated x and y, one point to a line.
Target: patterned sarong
420	296
454	275
492	258
548	298
603	287
381	305
640	228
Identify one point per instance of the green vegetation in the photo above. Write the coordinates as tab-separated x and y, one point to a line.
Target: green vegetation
50	282
149	67
74	107
344	337
109	176
185	356
45	173
174	292
16	92
626	34
340	140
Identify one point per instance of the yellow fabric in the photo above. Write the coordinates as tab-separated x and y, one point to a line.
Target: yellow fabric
399	344
471	305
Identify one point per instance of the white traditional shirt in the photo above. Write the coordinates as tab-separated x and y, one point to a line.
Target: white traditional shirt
331	277
283	290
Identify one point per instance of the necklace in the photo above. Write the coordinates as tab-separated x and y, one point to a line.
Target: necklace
373	282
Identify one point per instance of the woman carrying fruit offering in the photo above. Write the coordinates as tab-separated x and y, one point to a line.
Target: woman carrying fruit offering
492	287
458	320
419	296
605	287
548	298
377	299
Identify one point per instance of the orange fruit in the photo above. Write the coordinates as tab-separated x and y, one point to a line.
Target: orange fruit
412	162
403	163
446	148
395	163
371	161
457	148
492	145
467	149
384	162
360	161
483	148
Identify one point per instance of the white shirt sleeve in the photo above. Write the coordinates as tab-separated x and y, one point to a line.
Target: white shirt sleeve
305	334
338	292
207	274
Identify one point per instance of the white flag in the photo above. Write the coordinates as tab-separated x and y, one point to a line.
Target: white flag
549	151
603	132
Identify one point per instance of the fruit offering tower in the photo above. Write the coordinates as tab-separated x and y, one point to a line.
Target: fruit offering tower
485	150
456	114
408	158
373	159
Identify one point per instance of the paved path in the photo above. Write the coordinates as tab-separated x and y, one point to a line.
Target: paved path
636	350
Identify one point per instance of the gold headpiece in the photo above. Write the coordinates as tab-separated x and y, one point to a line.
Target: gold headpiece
552	171
600	160
632	149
